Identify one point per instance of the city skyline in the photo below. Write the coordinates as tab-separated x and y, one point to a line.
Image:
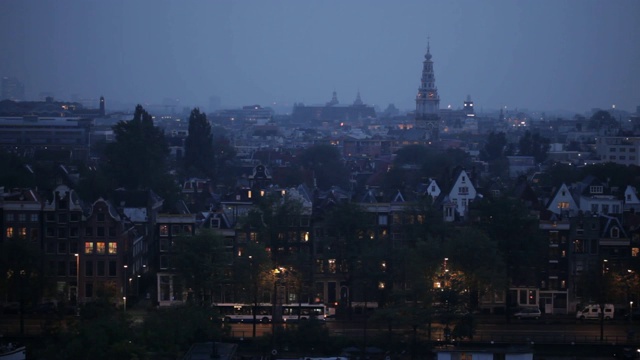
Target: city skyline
542	55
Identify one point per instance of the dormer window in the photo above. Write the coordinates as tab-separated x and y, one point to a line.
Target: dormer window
464	178
595	189
615	232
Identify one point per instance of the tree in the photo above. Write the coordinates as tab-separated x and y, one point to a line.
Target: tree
534	145
20	275
476	256
138	153
198	148
138	157
200	261
326	164
602	119
494	147
515	229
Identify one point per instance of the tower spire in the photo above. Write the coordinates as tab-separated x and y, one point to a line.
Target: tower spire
428	100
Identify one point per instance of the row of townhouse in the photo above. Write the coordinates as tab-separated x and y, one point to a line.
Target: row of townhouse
86	250
122	246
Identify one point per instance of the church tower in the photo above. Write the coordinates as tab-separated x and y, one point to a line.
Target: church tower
428	100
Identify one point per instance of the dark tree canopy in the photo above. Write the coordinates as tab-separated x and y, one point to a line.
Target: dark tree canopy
534	145
198	148
602	119
495	146
138	157
326	164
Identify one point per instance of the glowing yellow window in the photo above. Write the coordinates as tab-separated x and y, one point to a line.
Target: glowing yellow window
9	232
100	248
88	248
113	248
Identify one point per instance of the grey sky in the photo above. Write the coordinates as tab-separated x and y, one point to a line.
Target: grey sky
536	54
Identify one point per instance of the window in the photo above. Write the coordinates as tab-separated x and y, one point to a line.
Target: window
62	233
605	209
187	229
612	149
100	268
463	190
615	232
9	217
112	231
100	231
73	232
62	247
51	217
164	230
51	247
74	217
112	268
595	189
73	268
88	248
563	205
34	217
113	248
9	232
88	268
35	234
578	246
22	217
332	266
88	290
62	268
100	248
62	218
88	231
100	217
73	247
175	230
23	233
594	208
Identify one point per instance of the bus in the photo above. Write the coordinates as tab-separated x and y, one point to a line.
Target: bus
242	313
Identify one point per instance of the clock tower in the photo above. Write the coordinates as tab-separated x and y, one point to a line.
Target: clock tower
428	100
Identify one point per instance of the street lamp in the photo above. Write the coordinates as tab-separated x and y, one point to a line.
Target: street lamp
77	284
124	288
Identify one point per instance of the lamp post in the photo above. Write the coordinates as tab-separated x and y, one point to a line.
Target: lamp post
124	288
77	284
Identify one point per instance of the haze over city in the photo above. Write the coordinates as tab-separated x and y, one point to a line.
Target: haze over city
546	55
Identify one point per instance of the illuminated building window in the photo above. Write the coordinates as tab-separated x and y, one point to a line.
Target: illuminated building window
113	248
100	247
332	266
88	248
9	232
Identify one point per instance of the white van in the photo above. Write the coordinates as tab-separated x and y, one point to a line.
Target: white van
592	312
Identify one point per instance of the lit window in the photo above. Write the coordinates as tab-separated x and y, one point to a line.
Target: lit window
9	232
100	247
113	248
88	248
23	233
563	205
164	230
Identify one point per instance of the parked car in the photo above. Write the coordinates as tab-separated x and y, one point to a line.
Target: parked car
528	313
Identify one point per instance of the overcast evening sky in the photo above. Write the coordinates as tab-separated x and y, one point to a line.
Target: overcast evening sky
535	54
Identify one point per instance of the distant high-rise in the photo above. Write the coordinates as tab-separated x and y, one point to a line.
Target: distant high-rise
428	100
12	89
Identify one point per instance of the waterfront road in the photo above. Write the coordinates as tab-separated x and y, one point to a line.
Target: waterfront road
561	330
